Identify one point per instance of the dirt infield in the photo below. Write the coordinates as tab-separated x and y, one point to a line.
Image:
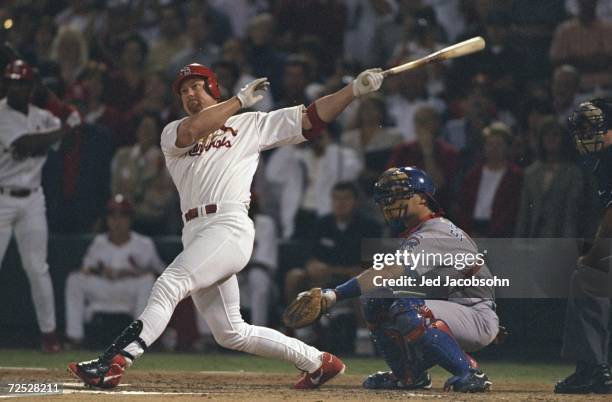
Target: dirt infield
188	386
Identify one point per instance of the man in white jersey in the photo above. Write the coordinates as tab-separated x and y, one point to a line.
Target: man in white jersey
212	156
26	133
117	272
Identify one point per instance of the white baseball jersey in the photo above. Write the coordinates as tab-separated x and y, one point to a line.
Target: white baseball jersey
221	168
24	173
138	253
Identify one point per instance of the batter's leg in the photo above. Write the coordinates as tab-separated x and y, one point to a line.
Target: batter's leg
220	307
31	233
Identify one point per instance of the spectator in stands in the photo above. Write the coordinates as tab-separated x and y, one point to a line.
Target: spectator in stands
127	82
564	89
489	196
89	92
139	173
117	274
201	49
263	56
232	78
157	99
430	153
70	51
372	139
336	253
580	42
296	76
305	176
552	187
406	93
465	133
172	37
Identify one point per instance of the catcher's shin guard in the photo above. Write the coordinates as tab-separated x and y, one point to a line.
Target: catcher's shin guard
407	370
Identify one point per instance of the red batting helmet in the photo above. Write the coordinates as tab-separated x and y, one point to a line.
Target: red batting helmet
118	203
198	70
18	70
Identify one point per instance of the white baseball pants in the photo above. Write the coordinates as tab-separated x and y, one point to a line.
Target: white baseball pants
216	247
27	217
87	294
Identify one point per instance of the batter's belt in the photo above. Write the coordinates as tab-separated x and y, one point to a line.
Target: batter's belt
210	209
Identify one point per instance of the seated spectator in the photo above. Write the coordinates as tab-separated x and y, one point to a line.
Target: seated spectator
579	42
172	38
69	50
490	193
430	153
371	139
552	188
336	254
564	90
232	79
407	92
117	275
139	172
201	49
296	77
304	176
126	86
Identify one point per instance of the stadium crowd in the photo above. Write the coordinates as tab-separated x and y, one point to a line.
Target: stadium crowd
489	128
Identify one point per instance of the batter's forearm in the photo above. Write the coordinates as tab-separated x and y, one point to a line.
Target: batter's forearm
330	106
206	122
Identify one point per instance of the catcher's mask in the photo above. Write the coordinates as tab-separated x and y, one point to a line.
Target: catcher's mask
395	187
589	124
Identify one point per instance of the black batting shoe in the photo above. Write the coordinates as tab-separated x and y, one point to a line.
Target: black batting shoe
474	381
587	379
388	380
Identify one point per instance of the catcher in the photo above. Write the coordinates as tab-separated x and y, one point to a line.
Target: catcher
414	334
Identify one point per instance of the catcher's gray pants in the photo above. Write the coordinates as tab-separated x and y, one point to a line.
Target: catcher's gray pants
474	327
586	336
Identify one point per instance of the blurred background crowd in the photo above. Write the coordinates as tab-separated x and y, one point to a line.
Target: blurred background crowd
489	128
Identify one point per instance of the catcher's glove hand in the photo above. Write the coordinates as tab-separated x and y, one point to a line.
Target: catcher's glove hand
308	307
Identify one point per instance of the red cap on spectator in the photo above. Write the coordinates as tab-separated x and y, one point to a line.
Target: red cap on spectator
18	70
197	70
119	203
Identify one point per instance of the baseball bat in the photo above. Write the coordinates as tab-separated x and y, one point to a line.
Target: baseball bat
464	48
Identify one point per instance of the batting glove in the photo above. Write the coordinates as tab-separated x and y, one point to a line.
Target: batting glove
247	96
368	81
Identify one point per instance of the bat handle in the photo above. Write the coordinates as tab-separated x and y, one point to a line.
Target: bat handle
385	73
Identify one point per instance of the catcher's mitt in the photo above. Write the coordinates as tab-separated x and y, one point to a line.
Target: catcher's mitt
305	309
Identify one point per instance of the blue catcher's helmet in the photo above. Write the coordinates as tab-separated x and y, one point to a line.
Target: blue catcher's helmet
589	124
397	185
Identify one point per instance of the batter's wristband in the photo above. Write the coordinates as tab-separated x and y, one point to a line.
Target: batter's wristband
318	125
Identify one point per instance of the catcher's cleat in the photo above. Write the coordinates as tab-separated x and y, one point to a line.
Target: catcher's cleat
331	366
100	373
473	381
587	379
387	380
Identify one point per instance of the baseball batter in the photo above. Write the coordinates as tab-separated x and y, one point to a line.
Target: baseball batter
212	156
586	337
412	333
26	133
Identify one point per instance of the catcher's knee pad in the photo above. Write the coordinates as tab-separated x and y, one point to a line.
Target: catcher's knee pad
409	317
130	334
